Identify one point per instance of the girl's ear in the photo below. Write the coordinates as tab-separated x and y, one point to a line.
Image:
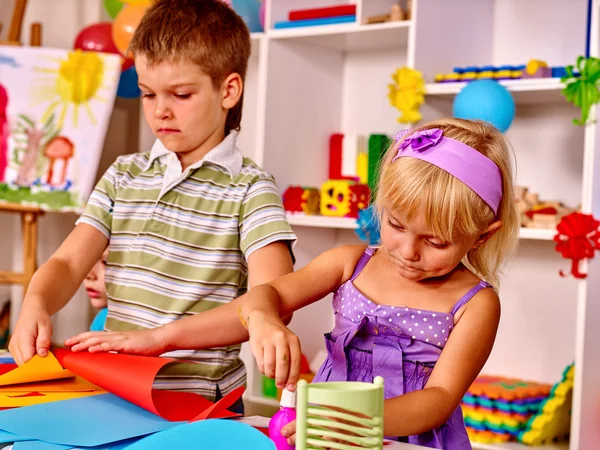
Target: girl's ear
488	233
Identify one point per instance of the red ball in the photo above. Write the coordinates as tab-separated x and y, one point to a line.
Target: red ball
98	38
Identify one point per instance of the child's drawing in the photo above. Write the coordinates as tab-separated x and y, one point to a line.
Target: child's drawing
54	111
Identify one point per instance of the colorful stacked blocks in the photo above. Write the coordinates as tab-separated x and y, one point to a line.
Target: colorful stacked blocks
497	409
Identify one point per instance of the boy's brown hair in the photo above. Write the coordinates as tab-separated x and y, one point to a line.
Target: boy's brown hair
206	32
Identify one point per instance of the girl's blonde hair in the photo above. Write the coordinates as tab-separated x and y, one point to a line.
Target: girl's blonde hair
451	208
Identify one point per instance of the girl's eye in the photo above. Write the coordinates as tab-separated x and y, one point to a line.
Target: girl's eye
395	226
437	244
182	96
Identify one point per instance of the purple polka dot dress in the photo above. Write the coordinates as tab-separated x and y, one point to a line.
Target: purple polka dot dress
400	344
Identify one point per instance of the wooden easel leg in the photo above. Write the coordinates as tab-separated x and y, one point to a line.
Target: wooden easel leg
30	235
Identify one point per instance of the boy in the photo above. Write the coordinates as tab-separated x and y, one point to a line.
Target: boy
191	223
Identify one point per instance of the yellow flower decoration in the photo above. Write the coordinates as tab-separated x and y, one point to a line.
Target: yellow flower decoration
407	94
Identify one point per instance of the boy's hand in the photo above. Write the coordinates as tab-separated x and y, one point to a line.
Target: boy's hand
32	334
276	349
142	342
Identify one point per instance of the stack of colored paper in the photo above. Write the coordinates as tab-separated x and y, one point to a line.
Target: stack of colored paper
496	409
107	401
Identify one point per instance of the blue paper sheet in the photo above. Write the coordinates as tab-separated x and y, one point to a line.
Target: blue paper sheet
209	434
9	437
38	445
83	422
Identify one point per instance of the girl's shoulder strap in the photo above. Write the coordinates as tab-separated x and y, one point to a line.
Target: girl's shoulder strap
469	295
362	262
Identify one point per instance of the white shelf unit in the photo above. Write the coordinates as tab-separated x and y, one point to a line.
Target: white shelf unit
306	83
346	223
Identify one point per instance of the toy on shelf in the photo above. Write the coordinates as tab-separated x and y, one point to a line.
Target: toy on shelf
395	14
327	15
582	87
353	162
343	198
485	100
496	409
538	214
577	239
553	422
407	94
299	199
535	68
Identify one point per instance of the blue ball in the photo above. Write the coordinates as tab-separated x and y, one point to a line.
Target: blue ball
249	10
128	84
485	100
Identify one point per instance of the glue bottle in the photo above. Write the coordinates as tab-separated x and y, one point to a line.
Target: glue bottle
286	414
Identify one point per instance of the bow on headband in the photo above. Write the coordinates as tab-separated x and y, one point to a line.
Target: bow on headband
419	140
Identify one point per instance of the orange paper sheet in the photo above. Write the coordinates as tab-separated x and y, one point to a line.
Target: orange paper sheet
36	369
19	399
76	384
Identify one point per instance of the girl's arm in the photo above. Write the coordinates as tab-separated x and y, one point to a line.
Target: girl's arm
463	357
261	308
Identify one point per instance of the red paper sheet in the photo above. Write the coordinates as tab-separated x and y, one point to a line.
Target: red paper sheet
131	377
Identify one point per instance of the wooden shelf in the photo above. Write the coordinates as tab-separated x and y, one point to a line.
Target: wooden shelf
516	446
525	91
348	37
350	224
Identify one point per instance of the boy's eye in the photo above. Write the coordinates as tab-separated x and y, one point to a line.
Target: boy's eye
182	96
147	95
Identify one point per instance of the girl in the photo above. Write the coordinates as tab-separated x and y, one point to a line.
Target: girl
416	309
96	291
419	309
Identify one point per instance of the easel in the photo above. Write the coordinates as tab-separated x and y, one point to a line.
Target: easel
29	214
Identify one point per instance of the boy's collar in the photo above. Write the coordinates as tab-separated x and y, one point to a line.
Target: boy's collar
225	155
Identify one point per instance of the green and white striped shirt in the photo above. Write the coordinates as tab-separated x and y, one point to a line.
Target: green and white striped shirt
179	244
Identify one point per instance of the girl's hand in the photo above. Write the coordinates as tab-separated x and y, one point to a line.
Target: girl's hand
142	342
276	349
289	431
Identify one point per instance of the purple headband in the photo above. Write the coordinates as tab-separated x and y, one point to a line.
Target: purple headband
475	170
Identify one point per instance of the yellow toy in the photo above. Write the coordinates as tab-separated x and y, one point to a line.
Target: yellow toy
336	198
407	94
553	422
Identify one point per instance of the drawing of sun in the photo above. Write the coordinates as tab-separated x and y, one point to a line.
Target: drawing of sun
76	82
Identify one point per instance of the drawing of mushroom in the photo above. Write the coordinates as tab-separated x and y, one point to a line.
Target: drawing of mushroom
59	149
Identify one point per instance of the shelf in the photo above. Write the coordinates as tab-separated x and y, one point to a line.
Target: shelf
346	223
255	40
321	221
525	91
349	37
539	234
259	400
516	446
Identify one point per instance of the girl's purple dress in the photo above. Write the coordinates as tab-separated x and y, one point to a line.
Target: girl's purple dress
400	344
